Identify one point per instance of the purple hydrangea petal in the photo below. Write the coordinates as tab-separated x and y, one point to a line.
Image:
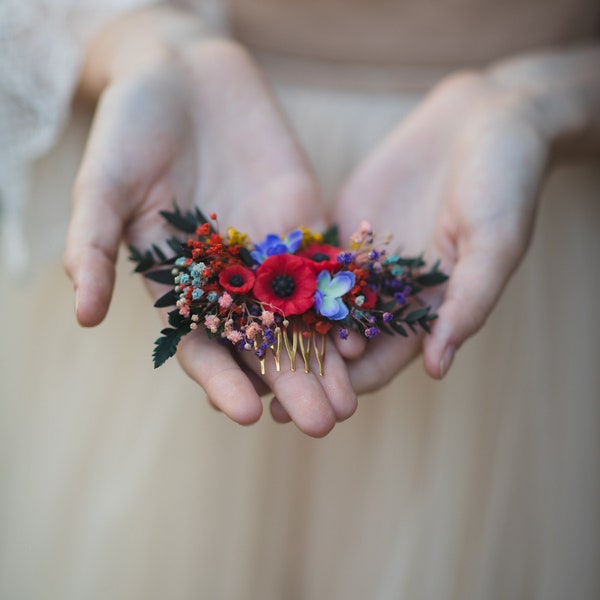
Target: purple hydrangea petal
341	283
318	300
329	307
323	281
342	312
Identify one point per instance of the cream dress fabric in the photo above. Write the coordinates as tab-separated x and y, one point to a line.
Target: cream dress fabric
120	482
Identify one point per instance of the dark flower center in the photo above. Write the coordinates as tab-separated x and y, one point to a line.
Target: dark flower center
320	257
283	285
236	280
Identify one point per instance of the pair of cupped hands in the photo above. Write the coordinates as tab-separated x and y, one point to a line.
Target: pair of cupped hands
457	180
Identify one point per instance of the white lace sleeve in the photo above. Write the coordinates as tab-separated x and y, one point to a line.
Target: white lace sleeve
42	43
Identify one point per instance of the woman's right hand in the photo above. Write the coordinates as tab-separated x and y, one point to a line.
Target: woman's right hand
195	122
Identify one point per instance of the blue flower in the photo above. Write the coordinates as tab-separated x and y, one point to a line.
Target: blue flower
273	244
400	298
328	297
346	258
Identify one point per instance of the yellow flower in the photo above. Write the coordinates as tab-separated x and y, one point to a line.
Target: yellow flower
236	237
308	237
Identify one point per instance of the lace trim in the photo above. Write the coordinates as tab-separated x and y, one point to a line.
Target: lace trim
42	44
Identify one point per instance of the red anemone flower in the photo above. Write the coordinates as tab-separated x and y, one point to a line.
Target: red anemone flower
237	279
322	256
287	283
368	298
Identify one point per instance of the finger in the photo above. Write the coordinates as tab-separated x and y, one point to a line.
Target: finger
313	402
304	400
495	192
383	359
218	373
259	385
337	386
352	347
279	414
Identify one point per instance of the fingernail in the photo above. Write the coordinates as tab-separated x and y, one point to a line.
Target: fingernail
447	359
76	301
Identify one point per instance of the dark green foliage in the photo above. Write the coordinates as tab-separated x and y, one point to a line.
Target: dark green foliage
412	263
176	320
384	328
387	306
416	315
134	254
167	300
187	221
184	222
160	276
145	261
246	256
159	253
176	245
415	319
332	236
166	346
395	325
432	278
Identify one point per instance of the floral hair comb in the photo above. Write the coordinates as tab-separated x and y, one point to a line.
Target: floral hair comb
283	293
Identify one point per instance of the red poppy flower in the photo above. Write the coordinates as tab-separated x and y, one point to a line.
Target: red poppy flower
287	283
322	256
237	279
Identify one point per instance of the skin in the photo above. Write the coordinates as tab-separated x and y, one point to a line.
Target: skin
184	116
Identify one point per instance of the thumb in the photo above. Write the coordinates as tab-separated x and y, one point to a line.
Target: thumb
93	239
475	286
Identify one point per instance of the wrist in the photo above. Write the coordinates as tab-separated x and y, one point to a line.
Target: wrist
139	41
558	94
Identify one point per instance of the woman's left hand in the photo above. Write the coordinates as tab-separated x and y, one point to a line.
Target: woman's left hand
459	180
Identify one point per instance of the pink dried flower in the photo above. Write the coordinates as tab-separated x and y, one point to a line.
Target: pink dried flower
184	309
267	318
252	330
235	336
225	300
365	228
211	322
